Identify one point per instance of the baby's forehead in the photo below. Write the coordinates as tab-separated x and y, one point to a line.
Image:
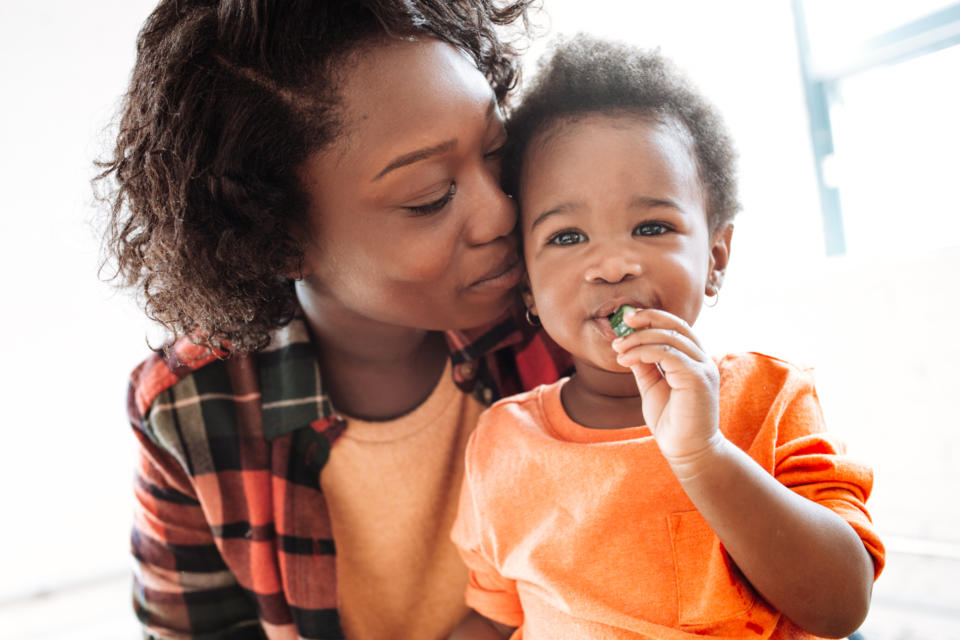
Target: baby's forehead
601	170
584	145
564	125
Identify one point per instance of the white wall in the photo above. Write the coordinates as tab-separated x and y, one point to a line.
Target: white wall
69	341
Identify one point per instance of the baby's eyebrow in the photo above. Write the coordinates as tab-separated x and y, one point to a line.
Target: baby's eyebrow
646	202
566	207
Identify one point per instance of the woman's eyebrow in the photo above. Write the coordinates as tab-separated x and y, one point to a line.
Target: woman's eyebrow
416	156
426	152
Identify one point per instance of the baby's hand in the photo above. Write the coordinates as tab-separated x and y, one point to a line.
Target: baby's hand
678	382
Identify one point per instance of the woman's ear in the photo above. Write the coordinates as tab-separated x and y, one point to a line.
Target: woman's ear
719	257
299	269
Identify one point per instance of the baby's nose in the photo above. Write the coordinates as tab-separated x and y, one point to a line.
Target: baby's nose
613	268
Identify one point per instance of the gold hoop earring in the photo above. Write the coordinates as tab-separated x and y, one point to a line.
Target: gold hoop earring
532	318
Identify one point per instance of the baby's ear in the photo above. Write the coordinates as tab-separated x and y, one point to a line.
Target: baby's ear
719	257
527	294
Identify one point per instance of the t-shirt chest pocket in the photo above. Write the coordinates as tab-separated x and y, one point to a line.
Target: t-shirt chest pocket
712	593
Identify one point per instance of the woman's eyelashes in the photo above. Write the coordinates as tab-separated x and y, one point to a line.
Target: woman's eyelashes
436	205
497	152
494	154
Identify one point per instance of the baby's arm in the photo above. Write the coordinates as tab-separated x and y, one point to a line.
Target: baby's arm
477	627
804	559
487	590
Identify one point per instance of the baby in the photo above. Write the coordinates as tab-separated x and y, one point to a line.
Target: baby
658	492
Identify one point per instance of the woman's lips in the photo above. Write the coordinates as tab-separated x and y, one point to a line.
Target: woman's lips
505	275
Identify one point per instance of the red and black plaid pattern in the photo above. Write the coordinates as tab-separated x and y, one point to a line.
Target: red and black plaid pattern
231	533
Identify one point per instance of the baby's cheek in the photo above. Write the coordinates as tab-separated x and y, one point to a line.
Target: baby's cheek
557	316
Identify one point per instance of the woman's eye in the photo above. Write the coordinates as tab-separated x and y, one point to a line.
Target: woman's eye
651	229
436	205
567	237
496	152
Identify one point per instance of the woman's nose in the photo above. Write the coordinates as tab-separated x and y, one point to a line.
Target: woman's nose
492	214
613	267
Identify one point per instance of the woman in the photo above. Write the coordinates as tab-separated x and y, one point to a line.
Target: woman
307	195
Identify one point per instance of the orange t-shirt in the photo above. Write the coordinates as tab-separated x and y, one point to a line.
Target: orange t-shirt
572	532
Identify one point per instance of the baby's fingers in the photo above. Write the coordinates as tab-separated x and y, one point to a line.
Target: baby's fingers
658	319
667	357
668	339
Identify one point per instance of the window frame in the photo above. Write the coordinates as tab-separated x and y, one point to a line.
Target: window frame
821	78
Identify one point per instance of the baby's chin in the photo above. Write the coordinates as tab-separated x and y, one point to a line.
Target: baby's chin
601	365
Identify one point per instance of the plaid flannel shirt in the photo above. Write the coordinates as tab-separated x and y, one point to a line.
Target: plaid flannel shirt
231	533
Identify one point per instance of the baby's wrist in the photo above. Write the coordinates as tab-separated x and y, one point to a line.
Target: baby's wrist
687	467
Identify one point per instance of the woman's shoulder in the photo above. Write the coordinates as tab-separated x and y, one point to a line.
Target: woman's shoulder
166	368
167	402
189	371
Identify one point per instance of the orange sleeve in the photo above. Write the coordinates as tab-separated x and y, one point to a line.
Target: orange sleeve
814	464
488	593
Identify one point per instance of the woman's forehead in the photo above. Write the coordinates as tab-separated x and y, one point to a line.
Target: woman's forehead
400	98
406	85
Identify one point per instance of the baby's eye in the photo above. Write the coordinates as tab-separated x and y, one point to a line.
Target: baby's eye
651	229
567	237
436	205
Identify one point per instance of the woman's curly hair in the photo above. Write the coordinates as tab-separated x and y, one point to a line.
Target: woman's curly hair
586	75
226	100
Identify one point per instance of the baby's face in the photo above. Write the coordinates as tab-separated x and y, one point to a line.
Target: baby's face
613	213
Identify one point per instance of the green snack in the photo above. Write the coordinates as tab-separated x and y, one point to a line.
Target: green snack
616	321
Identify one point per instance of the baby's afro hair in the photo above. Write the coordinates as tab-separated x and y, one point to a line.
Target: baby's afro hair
588	76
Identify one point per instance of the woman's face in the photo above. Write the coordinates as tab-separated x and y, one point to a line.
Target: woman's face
409	224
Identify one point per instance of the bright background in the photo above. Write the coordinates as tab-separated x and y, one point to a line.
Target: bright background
877	322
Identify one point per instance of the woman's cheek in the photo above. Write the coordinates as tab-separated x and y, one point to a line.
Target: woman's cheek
425	262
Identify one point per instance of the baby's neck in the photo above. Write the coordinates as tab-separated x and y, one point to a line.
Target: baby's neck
601	399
